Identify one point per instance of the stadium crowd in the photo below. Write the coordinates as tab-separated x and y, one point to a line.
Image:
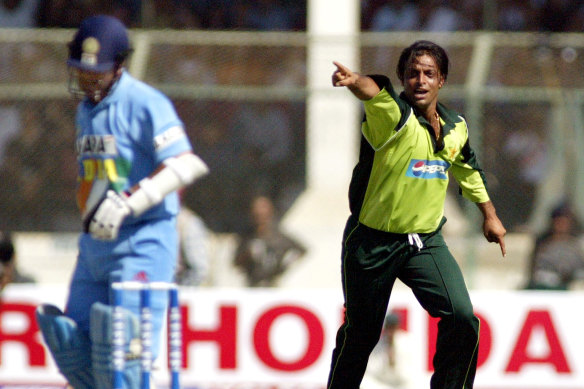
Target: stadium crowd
290	15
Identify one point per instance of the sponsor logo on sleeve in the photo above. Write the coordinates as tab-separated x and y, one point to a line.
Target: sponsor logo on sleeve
420	168
168	137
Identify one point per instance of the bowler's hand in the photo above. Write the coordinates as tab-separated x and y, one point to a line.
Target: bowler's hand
343	76
492	227
363	87
495	232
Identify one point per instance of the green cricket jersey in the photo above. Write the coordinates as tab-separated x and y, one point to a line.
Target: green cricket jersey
400	181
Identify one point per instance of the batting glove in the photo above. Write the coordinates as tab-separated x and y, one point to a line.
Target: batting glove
107	220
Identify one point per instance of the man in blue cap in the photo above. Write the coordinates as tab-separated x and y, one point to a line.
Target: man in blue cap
133	156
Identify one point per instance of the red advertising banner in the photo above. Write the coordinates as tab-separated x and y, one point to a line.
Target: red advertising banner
283	338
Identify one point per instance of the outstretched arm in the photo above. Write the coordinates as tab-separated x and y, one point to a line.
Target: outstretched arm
493	229
363	87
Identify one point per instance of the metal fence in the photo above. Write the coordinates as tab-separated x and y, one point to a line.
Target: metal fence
243	96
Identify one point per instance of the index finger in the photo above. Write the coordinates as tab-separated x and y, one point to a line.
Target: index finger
502	244
341	67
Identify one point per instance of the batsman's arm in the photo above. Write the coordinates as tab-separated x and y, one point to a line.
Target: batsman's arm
173	174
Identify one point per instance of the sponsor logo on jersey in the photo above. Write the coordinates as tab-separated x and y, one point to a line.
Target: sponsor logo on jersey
97	145
420	168
168	137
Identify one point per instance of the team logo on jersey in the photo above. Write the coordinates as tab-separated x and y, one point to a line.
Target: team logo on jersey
420	168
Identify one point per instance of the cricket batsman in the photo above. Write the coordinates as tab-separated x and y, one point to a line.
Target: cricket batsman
133	155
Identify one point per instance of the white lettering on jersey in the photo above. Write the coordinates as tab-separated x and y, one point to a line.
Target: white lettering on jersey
168	137
97	145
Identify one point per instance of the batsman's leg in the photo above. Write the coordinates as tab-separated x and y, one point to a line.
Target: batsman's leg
104	336
69	346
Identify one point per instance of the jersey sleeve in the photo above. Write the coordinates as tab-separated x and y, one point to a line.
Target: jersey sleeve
169	137
155	125
384	114
470	177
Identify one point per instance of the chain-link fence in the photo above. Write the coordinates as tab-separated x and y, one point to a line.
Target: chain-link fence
242	97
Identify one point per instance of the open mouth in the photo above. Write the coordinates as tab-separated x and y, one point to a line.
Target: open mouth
420	94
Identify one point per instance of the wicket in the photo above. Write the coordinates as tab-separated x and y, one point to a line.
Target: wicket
174	331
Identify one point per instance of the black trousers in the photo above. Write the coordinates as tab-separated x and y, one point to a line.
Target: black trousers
371	262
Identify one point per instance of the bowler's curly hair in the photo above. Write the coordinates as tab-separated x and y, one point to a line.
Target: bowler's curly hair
419	48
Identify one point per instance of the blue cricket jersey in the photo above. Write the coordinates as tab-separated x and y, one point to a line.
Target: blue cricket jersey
122	140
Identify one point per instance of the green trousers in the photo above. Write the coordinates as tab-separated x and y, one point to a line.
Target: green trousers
371	262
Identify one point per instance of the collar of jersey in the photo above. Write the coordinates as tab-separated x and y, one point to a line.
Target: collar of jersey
450	117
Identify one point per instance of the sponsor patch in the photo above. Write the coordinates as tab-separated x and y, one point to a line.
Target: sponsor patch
97	145
168	137
420	168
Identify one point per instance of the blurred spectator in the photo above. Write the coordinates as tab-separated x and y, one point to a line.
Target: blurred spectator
61	13
576	21
267	15
448	15
290	70
10	123
526	150
266	141
38	179
8	270
395	15
472	12
206	13
390	364
514	15
554	14
18	13
368	9
176	14
69	13
265	253
441	16
15	14
259	15
558	256
128	11
222	199
193	260
288	15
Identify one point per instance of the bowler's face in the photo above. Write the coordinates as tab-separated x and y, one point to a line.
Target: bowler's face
422	81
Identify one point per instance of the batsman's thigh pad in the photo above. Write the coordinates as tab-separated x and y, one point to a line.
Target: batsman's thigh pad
69	346
101	332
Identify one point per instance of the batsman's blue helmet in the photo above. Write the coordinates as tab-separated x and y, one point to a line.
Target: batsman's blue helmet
100	44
